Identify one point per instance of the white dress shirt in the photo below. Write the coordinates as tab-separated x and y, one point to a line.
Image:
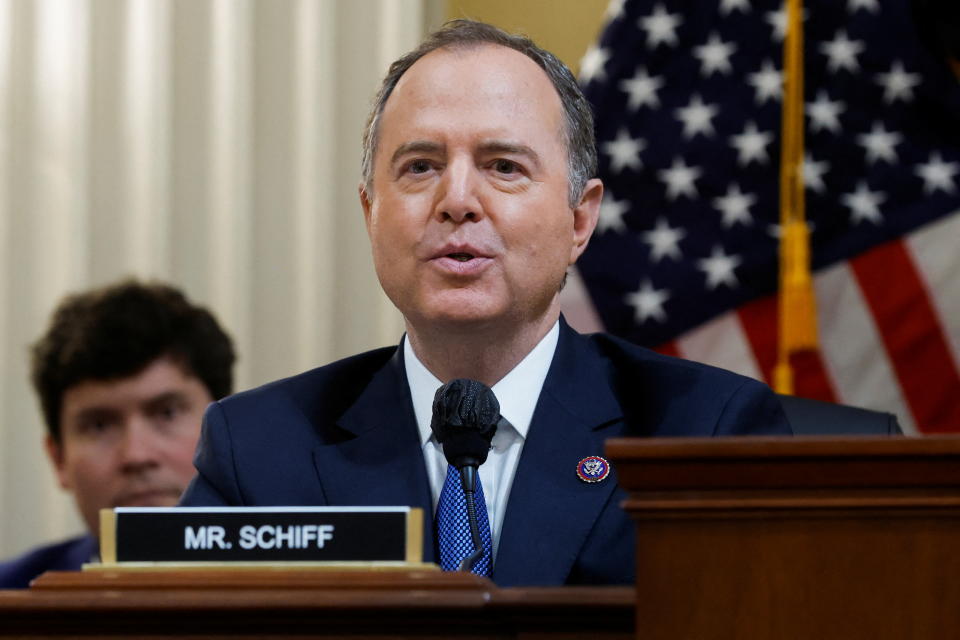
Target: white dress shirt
517	392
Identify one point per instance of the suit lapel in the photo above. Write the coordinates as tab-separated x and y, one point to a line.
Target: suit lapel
550	511
379	461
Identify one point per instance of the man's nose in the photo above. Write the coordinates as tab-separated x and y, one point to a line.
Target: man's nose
139	446
459	196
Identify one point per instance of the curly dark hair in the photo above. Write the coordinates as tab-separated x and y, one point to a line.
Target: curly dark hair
117	331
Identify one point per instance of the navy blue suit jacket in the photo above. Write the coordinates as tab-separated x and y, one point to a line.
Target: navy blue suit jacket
63	556
345	434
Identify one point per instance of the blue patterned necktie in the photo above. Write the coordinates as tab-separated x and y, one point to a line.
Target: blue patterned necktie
453	527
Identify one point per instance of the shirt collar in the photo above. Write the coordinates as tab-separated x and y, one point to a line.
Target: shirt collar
517	392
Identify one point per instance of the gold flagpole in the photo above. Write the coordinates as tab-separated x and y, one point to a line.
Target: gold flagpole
797	306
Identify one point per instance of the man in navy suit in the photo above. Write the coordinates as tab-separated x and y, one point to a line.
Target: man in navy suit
123	374
478	194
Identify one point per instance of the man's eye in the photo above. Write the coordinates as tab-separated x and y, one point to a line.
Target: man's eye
505	166
167	412
96	425
419	166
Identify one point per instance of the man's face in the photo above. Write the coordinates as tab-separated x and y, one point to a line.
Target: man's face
469	219
130	441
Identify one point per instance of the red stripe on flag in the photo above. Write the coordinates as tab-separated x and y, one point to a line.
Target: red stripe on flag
912	335
668	349
759	321
810	379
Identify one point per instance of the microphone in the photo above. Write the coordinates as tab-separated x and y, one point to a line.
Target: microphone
465	417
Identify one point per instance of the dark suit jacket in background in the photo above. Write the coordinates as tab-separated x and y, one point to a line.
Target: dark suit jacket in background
64	556
814	418
346	434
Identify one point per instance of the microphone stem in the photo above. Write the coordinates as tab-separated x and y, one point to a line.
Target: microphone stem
468	476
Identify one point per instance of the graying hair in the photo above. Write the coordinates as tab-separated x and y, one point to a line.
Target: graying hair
578	118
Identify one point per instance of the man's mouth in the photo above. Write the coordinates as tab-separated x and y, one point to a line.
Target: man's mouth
462	260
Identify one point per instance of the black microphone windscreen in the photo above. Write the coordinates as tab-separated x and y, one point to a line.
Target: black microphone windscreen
465	417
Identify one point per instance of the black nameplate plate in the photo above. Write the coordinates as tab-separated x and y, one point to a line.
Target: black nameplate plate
261	535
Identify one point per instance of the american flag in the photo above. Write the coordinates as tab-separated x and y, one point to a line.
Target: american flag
687	97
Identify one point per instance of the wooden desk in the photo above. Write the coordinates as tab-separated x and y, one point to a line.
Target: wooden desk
285	603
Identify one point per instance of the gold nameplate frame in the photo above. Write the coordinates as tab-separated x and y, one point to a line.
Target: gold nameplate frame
184	537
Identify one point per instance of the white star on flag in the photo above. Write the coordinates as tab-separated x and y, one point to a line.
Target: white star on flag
719	268
735	206
751	145
864	204
727	6
842	52
611	214
647	302
680	179
938	175
624	151
592	63
825	114
813	171
642	89
661	27
879	143
768	83
872	6
664	241
778	20
715	55
897	84
696	117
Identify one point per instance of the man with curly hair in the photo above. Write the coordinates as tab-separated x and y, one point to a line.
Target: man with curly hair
123	374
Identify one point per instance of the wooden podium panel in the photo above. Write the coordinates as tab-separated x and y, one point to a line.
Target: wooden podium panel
795	538
284	603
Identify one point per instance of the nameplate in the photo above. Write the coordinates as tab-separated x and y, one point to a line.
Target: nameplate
261	535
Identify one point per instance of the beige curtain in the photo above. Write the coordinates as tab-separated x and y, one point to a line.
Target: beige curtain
211	143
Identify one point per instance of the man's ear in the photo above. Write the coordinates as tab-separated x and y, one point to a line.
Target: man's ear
55	452
366	201
585	217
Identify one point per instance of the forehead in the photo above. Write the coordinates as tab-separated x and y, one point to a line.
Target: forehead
162	376
477	87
